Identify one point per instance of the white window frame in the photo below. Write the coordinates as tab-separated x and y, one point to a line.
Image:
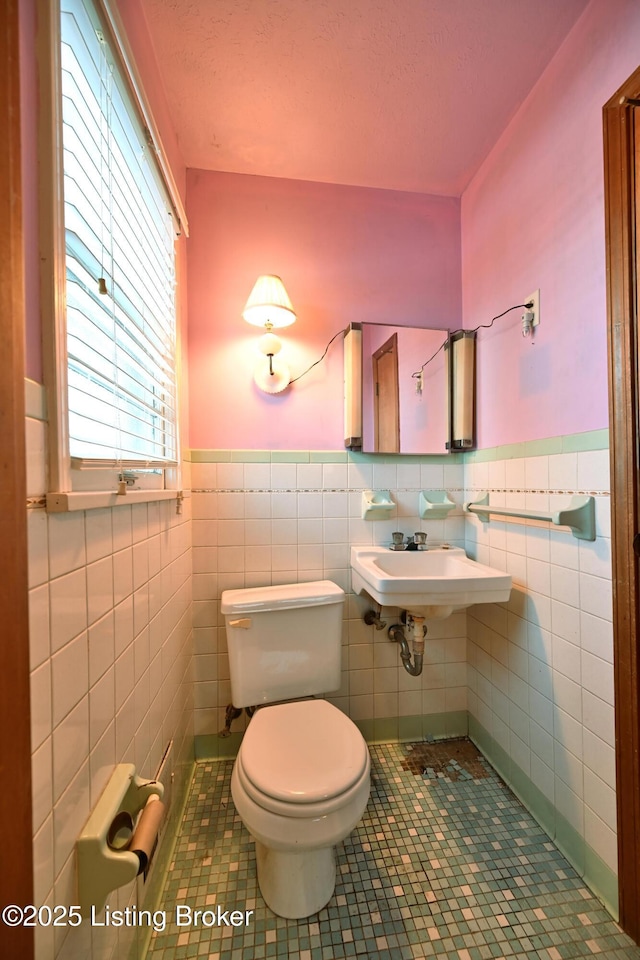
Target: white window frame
62	496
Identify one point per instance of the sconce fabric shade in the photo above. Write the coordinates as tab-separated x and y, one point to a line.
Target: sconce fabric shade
269	304
461	347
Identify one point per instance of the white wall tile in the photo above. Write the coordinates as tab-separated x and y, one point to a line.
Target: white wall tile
597	676
596	636
67	549
335	476
68	597
100	594
70	747
283	476
563	471
536	472
593	470
99	534
598	717
309	476
230	476
69	677
41	711
39	627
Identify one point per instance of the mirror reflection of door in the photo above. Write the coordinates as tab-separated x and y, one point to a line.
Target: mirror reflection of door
386	401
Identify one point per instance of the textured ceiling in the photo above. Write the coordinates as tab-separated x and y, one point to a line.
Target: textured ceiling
399	94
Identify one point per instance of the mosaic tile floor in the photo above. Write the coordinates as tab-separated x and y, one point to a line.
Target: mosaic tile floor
446	863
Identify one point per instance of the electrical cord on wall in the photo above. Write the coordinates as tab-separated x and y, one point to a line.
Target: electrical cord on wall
481	326
326	349
418	373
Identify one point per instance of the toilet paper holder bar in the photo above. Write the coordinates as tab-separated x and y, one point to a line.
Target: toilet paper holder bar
105	860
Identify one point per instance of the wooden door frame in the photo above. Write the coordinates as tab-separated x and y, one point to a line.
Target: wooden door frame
389	346
620	119
16	880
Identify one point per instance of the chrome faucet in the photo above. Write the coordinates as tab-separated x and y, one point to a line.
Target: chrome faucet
416	542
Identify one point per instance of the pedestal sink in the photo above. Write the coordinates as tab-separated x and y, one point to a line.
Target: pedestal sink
429	583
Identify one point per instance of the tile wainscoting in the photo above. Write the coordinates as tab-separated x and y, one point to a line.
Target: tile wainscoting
541	666
292	517
110	650
530	680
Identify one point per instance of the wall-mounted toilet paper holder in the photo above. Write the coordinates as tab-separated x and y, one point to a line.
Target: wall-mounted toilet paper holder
114	846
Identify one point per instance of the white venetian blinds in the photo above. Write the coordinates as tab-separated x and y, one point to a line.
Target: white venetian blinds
120	263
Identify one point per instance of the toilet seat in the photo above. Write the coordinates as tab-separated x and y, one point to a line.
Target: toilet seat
302	759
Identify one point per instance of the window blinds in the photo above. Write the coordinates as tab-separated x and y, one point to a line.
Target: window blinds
120	263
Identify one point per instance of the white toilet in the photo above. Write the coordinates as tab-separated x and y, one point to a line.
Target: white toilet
301	778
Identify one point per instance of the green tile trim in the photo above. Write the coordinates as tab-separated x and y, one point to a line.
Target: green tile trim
481	456
209	746
434	726
289	456
251	456
328	456
210	456
543	448
595	872
163	857
356	456
410	728
602	879
385	730
534	799
366	729
593	440
456	723
569	841
381	730
313	456
571	443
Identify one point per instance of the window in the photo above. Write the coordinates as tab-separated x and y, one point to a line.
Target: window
116	339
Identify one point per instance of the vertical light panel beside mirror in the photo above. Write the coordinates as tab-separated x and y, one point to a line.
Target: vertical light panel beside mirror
461	368
408	390
353	387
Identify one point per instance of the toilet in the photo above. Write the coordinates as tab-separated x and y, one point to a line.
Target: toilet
301	779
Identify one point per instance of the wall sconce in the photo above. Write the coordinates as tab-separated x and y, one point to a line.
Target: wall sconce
461	348
269	306
353	387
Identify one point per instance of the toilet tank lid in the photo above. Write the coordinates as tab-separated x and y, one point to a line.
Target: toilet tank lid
284	596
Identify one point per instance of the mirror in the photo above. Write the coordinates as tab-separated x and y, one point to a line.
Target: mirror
404	404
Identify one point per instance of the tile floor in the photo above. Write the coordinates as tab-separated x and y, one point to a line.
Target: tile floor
446	863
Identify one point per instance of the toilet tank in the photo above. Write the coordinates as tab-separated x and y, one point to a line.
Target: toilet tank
284	641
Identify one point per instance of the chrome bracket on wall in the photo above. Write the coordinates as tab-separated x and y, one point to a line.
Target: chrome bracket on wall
580	515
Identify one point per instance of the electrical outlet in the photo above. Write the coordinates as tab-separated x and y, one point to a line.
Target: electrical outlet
535	309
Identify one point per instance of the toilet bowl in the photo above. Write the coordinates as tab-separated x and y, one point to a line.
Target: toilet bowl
300	784
301	779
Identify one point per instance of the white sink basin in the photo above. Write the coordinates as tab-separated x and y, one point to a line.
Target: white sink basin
429	583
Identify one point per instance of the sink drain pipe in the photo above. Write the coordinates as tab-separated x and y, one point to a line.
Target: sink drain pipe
418	633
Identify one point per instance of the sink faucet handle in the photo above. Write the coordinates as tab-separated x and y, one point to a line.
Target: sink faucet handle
420	538
397	540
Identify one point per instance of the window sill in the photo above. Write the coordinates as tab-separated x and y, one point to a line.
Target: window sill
92	500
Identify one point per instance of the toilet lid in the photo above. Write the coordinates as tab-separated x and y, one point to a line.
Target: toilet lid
303	752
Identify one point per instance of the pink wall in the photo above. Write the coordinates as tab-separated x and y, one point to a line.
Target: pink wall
345	254
533	217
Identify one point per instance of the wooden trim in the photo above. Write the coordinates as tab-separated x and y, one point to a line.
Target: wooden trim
390	347
16	880
620	120
53	307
